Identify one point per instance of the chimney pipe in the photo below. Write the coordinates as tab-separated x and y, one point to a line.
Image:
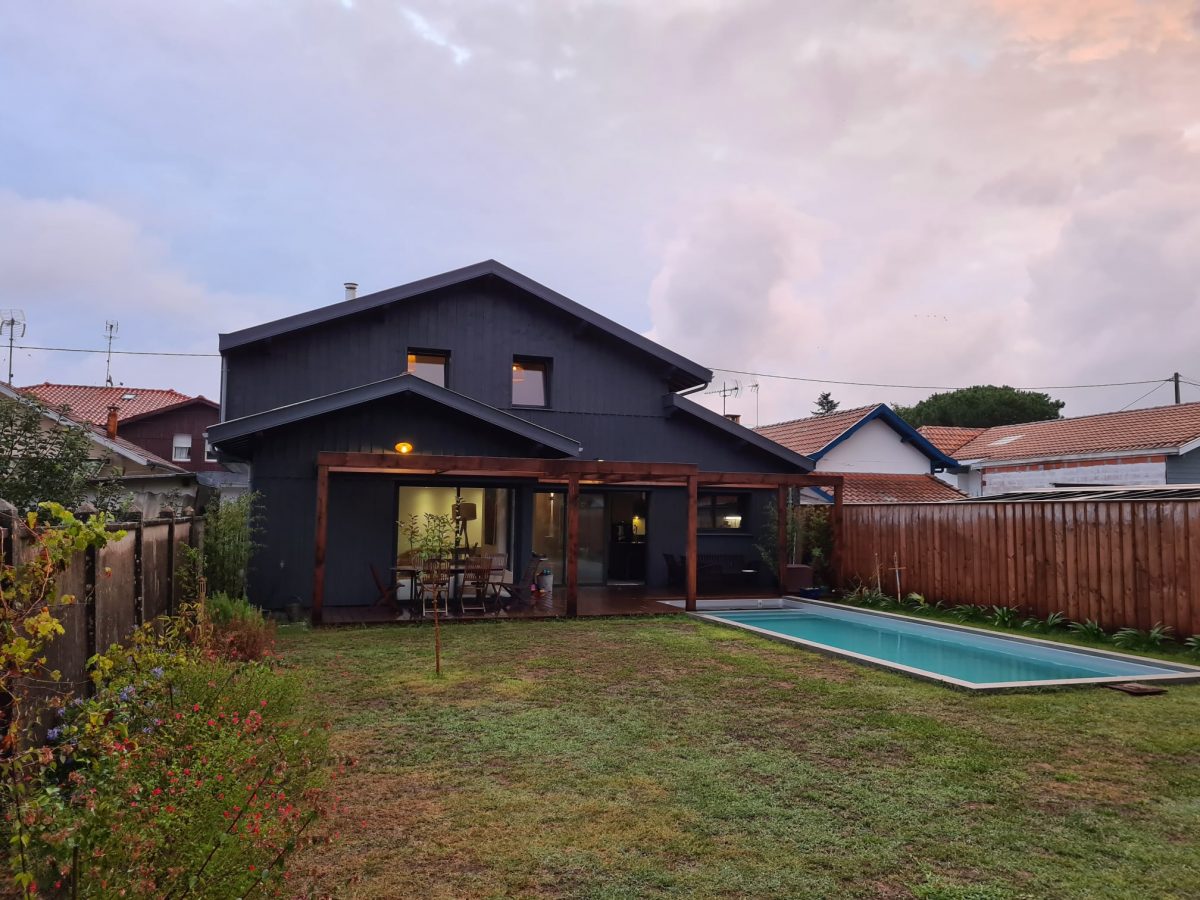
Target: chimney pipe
735	418
351	289
111	427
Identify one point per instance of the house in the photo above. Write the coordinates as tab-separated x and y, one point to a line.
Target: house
150	482
1155	446
168	424
881	458
564	433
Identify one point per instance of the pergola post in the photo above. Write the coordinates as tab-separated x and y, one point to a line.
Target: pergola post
837	534
784	520
322	530
690	559
573	545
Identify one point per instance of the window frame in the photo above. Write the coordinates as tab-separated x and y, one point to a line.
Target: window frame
210	452
176	446
708	499
444	355
546	366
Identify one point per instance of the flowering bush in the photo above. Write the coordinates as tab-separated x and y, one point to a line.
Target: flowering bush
181	773
179	776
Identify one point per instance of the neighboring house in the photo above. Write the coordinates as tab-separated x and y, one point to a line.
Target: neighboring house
1155	446
167	423
882	458
511	397
151	482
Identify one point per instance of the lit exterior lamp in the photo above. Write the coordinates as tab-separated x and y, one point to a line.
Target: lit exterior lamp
404	447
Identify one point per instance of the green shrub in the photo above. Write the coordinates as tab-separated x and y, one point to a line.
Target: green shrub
1193	644
230	532
1052	622
180	776
1133	639
1089	629
968	612
239	629
1004	616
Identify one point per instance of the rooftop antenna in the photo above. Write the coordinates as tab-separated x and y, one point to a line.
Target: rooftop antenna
110	334
754	390
12	323
726	391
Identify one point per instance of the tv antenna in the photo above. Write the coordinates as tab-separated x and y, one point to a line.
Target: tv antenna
726	391
754	390
12	323
110	335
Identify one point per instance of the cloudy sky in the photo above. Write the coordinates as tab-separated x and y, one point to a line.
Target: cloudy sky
919	193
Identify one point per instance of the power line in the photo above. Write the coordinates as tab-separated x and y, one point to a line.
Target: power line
114	352
933	387
1145	395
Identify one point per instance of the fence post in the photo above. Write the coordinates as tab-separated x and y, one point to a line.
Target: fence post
170	514
90	561
139	573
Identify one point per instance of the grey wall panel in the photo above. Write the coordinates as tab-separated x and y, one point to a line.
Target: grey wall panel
1184	469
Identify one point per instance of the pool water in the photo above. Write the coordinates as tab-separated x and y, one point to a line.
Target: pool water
972	657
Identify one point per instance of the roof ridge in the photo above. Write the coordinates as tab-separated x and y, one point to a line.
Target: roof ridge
102	387
1115	412
828	415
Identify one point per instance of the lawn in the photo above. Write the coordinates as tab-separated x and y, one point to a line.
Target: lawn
671	758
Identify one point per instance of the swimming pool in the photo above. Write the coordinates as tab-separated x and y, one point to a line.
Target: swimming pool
952	654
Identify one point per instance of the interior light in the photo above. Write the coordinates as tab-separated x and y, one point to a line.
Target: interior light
733	521
518	373
404	447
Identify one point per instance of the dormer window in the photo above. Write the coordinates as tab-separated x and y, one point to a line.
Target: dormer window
429	365
530	381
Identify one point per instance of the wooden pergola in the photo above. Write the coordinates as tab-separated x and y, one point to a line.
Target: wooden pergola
571	473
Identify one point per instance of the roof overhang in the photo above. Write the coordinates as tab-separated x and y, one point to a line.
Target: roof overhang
741	432
888	416
190	401
682	371
229	436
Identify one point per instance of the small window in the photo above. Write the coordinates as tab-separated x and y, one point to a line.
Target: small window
210	453
530	382
429	365
181	448
722	512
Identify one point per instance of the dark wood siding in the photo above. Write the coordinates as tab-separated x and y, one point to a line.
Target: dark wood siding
157	433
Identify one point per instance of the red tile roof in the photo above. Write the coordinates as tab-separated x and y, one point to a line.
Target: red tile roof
949	438
871	487
1155	428
810	435
90	403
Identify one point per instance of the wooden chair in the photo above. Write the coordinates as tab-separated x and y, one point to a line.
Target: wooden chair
435	586
385	593
522	593
479	576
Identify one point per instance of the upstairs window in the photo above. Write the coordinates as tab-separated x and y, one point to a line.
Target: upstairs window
429	365
722	512
530	381
181	448
210	452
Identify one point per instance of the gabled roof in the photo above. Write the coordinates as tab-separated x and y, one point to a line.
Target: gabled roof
751	437
118	445
1165	429
226	435
817	435
686	373
870	487
90	403
949	438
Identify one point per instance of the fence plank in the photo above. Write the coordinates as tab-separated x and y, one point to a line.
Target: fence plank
1128	563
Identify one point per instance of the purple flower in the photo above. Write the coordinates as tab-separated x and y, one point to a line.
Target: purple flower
53	734
157	671
126	693
61	712
147	730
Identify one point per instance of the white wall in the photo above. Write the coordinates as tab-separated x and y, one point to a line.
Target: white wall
875	448
1037	477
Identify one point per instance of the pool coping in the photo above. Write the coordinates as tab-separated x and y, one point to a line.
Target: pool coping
1184	673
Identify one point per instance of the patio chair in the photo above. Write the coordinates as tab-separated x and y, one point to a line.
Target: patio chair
479	577
435	586
522	592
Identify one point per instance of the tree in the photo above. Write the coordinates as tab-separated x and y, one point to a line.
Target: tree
825	405
982	406
40	459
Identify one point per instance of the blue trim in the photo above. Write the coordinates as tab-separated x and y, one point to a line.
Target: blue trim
902	428
822	493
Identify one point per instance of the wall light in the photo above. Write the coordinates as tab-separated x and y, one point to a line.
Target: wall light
404	447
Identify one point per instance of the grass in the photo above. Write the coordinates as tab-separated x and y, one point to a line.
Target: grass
672	758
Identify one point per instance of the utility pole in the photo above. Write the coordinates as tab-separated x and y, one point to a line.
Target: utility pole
110	334
1175	378
12	323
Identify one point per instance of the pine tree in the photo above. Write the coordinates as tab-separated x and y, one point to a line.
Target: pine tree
825	405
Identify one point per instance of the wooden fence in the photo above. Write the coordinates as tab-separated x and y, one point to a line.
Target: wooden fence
1121	563
117	588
